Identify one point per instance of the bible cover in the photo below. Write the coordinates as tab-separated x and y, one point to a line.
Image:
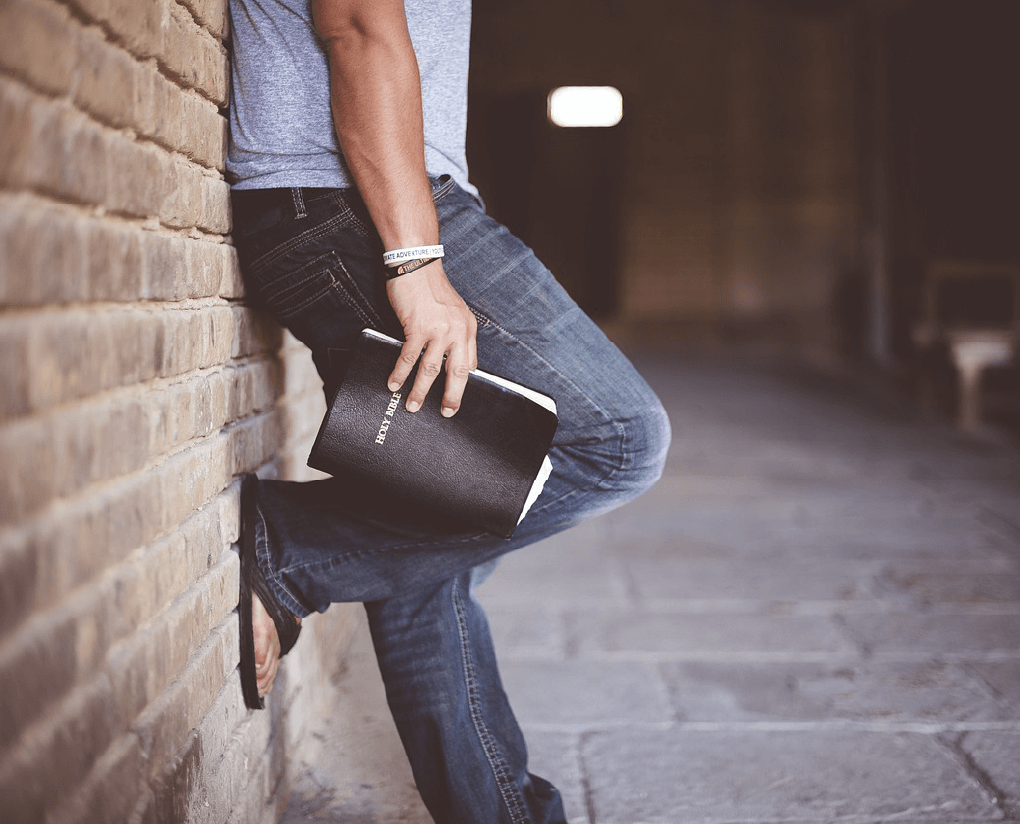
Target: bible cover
484	466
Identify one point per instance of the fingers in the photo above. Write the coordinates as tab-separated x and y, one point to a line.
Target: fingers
438	327
428	370
459	358
458	366
409	353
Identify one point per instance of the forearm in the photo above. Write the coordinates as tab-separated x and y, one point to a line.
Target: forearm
377	112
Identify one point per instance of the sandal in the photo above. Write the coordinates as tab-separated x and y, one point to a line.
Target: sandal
252	581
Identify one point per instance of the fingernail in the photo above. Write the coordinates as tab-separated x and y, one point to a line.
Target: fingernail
393	386
448	411
413	406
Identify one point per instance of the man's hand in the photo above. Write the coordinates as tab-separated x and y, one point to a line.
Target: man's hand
436	320
375	93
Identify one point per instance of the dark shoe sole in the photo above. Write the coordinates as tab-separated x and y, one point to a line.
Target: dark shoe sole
252	581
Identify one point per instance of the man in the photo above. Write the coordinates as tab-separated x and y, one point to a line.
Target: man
348	122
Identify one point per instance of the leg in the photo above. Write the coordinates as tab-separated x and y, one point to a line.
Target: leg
320	544
443	688
317	544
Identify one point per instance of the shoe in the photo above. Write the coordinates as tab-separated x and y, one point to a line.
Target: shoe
252	581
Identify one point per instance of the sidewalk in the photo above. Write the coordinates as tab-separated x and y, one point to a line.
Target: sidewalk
813	617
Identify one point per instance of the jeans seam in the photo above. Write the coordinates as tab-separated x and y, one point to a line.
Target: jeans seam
280	250
504	781
360	303
620	431
262	554
338	559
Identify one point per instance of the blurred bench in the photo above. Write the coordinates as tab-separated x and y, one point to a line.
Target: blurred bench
976	337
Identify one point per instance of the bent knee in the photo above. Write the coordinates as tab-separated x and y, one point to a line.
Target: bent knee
646	443
638	452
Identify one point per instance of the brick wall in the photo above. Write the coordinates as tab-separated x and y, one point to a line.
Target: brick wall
136	387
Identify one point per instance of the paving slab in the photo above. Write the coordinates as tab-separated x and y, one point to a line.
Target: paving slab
813	617
928	692
585	694
672	776
621	635
557	755
676	577
936	635
1003	678
996	754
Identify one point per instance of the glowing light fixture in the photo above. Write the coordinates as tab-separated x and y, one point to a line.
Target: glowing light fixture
585	106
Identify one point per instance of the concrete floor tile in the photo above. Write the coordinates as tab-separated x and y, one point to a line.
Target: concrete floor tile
928	692
676	577
556	757
695	777
578	566
1003	678
997	756
706	635
933	587
526	632
586	693
933	635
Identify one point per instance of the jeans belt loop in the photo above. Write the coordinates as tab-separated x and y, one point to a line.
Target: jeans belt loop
299	202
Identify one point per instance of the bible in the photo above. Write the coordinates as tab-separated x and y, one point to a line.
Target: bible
484	467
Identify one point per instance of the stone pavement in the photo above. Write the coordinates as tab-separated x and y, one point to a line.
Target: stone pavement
813	617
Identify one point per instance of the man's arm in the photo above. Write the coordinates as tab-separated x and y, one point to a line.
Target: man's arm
376	98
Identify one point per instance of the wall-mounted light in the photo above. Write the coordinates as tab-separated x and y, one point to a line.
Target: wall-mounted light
585	106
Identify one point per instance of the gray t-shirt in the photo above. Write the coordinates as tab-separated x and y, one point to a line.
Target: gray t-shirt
281	124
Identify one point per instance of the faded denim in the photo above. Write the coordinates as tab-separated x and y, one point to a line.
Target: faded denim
311	258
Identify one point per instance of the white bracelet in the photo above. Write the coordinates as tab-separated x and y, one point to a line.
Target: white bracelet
398	256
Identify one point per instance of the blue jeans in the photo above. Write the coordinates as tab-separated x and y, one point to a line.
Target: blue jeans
311	258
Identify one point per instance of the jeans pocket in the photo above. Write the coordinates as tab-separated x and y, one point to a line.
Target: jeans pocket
322	286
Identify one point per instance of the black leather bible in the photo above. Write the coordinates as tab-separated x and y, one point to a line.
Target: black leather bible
483	467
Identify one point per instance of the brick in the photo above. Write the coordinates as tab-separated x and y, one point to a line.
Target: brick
164	266
231	285
173	790
14	347
204	137
252	388
19	575
16	137
193	55
181	187
56	754
216	214
37	42
253	442
106	78
191	478
49	254
138	24
136	178
114	261
211	15
74	353
29	479
255	332
70	154
112	789
167	723
242	785
169	122
37	667
204	263
193	339
57	150
175	563
102	529
69	354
